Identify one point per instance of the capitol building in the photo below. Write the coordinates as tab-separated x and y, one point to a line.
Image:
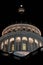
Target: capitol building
20	39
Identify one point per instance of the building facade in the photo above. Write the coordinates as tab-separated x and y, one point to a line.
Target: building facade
21	39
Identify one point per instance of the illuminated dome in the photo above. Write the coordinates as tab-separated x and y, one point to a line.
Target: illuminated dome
26	27
20	39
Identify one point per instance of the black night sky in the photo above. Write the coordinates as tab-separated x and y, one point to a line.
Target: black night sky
33	15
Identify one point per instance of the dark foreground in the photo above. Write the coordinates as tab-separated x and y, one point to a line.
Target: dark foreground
35	57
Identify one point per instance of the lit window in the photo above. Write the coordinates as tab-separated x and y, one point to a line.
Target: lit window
23	46
40	44
11	39
11	44
18	39
24	38
2	45
36	41
21	10
6	41
12	47
6	45
30	40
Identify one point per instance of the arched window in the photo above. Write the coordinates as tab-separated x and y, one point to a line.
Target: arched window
24	44
40	44
36	41
18	39
11	39
6	45
12	44
2	45
6	41
24	38
30	40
